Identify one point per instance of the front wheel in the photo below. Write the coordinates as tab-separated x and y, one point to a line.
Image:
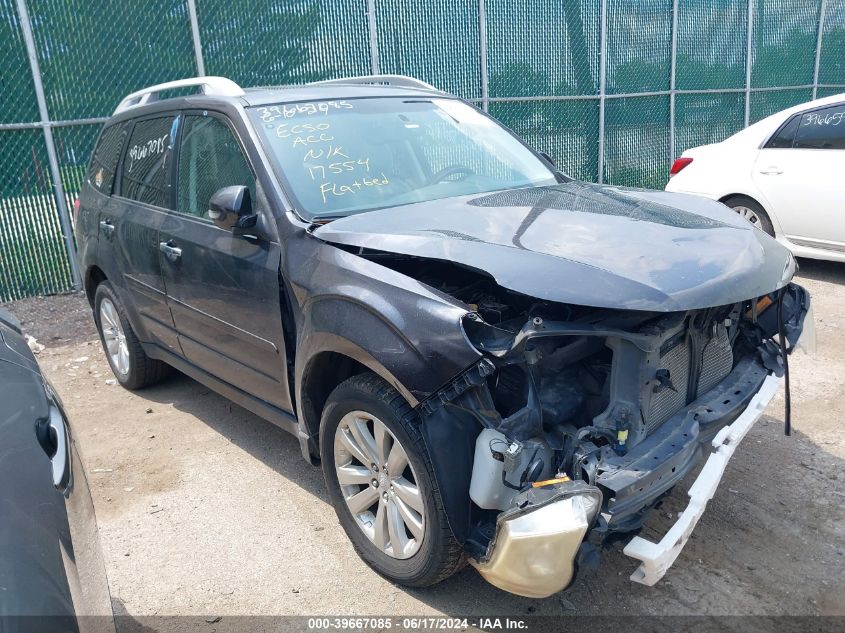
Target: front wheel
381	483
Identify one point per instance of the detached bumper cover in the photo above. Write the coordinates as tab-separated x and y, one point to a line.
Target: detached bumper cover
658	557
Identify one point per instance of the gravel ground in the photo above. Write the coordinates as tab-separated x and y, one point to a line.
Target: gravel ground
205	509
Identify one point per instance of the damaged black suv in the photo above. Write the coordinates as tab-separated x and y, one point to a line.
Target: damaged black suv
492	362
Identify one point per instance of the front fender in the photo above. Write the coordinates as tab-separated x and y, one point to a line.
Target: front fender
401	328
319	342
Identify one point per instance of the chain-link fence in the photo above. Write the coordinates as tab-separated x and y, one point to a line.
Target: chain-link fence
611	89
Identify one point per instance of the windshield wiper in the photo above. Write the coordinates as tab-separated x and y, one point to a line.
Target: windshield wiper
317	222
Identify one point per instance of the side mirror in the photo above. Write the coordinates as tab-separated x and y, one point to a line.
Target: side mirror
230	208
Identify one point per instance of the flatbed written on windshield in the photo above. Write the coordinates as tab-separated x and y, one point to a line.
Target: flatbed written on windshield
335	169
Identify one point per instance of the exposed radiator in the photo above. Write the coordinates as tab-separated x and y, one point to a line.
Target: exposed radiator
666	401
717	360
676	356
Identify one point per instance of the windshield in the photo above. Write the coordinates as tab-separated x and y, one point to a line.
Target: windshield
344	157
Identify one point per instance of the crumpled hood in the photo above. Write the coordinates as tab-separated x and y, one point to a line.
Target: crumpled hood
586	244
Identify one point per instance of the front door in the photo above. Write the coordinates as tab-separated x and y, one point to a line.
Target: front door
800	173
223	289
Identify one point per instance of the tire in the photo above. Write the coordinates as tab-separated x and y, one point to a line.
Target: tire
132	368
752	211
425	561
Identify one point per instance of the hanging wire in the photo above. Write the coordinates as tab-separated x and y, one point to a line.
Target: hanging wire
787	414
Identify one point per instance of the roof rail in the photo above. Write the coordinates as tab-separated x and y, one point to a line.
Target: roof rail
401	81
219	86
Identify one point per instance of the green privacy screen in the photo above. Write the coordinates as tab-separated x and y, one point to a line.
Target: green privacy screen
611	89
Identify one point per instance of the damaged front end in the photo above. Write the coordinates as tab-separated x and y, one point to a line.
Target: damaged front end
578	420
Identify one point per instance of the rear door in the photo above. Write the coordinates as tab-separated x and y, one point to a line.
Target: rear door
129	225
800	172
99	182
223	290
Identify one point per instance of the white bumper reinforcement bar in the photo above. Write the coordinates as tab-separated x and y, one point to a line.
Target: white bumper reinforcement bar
658	557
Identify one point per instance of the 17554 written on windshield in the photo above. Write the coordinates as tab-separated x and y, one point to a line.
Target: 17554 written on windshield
335	169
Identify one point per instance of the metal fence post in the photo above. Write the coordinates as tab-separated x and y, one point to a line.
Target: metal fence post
373	29
602	85
482	54
672	85
748	47
55	172
819	36
195	35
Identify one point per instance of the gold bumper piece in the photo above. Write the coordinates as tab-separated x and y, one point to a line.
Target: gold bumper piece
533	551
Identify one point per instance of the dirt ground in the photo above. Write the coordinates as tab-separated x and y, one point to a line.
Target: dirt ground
206	509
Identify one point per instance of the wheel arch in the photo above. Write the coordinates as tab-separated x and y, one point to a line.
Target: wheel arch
94	276
323	371
757	198
739	194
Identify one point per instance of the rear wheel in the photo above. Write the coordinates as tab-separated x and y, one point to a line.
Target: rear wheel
752	211
129	363
381	483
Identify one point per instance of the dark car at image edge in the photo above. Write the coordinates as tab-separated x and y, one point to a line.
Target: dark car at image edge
52	575
491	361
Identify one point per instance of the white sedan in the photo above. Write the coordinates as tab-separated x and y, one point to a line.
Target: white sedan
785	174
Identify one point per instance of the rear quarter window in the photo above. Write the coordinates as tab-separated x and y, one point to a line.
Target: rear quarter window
784	137
103	166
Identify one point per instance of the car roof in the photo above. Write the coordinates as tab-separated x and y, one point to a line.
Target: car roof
316	92
816	103
234	96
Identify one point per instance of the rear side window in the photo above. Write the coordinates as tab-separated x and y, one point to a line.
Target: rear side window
786	134
103	165
822	129
210	158
147	160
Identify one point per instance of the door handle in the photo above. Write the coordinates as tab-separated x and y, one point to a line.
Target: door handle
771	170
61	460
170	250
107	227
53	438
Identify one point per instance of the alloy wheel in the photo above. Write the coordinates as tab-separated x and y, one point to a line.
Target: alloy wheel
114	337
379	485
748	214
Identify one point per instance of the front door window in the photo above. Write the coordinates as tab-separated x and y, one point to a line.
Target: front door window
210	159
